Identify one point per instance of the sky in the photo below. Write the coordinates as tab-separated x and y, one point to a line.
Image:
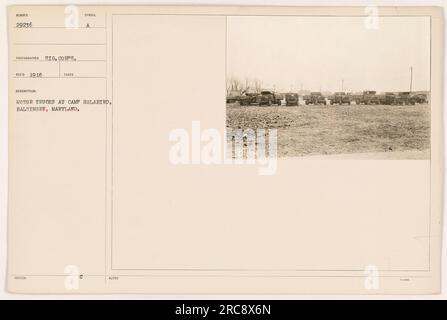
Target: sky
287	53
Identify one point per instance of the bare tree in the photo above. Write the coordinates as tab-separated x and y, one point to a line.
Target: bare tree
257	84
236	84
228	85
247	83
233	84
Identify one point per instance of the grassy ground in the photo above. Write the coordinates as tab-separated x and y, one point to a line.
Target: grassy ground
329	130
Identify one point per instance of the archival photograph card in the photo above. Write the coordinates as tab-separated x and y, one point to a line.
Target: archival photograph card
225	150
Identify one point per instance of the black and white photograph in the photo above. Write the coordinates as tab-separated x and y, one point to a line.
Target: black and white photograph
333	87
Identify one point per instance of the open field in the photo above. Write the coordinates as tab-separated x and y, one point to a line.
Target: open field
350	131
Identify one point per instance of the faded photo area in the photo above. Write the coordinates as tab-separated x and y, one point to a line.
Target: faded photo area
332	87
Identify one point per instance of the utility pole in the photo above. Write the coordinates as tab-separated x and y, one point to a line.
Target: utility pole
342	84
411	78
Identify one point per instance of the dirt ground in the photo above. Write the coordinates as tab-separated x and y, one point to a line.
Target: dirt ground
349	131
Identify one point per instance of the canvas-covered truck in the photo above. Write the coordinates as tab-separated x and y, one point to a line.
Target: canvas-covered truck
367	97
268	97
420	98
405	98
340	98
247	98
315	98
292	99
387	98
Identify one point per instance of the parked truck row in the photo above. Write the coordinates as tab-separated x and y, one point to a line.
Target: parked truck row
369	97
